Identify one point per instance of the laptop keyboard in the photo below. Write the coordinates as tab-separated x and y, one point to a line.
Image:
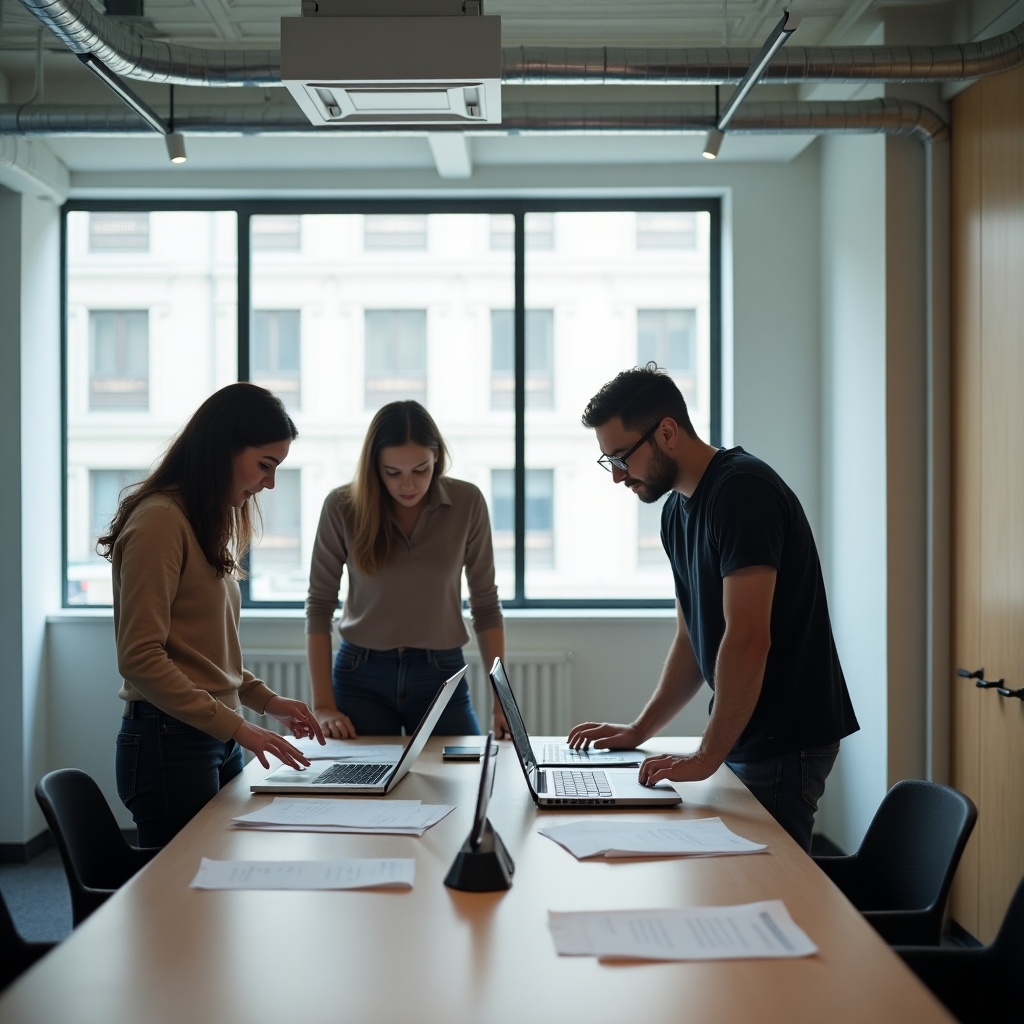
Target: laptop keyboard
564	755
353	774
579	783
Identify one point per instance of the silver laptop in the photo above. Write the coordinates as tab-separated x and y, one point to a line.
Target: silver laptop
569	785
323	777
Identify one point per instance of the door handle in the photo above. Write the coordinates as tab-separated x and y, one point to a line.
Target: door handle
978	675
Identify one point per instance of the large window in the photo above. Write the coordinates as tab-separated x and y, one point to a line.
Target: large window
348	306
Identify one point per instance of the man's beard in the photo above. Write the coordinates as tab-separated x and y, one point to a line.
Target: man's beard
663	472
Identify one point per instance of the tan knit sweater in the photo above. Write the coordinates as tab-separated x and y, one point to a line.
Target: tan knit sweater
416	599
176	624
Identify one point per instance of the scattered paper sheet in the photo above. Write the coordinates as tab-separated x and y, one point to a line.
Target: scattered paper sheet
353	873
347	750
700	837
306	814
747	931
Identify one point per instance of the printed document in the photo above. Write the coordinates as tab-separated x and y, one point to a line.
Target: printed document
352	873
404	817
744	932
695	837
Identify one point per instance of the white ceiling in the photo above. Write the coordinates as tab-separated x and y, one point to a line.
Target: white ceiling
400	160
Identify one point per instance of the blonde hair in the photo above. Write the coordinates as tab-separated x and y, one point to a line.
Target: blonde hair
394	425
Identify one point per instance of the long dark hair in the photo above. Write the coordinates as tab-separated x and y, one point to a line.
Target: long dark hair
395	424
198	465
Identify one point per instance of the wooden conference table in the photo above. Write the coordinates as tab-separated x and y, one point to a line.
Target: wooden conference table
160	952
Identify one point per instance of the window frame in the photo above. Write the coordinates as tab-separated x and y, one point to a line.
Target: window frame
518	209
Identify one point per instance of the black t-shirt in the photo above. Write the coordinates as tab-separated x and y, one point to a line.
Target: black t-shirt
743	514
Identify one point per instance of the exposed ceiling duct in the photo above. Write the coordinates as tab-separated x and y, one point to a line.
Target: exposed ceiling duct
85	30
891	116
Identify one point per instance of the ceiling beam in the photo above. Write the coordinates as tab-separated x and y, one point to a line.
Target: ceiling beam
450	151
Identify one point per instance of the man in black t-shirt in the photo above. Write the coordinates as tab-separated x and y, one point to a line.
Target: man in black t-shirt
752	618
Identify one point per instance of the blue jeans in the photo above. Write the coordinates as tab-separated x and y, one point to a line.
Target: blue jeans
384	692
166	770
790	786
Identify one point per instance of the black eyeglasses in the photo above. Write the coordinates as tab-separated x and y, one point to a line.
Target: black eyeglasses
611	462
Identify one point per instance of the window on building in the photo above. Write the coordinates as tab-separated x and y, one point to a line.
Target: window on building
106	487
649	549
539	229
118	359
406	231
668	337
540	358
89	576
118	232
396	355
277	233
279	546
276	354
540	516
664	229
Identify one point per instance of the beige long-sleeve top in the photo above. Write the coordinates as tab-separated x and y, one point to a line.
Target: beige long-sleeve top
416	599
176	624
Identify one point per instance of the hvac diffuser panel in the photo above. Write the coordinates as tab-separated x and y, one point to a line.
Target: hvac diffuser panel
394	70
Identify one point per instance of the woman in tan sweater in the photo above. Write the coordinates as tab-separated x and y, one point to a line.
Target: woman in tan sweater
405	531
175	547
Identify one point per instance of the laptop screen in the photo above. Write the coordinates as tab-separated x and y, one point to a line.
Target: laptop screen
516	725
483	795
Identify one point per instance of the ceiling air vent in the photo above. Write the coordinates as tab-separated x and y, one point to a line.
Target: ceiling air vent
346	68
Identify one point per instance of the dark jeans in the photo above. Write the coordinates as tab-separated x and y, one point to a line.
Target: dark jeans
790	786
166	770
384	692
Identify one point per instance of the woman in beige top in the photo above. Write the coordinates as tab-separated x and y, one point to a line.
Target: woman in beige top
405	531
175	546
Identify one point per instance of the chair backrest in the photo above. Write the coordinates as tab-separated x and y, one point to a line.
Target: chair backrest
1010	941
17	953
96	857
913	845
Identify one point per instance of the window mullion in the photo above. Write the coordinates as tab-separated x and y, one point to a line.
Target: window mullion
519	369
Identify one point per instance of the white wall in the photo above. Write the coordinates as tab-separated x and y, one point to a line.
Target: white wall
30	515
854	466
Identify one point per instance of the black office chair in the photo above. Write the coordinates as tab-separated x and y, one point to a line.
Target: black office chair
18	954
97	859
982	985
900	876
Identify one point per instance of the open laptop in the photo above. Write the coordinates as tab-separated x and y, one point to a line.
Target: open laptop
323	777
570	785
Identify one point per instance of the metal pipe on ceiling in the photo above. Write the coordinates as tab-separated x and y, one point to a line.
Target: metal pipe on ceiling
890	116
83	29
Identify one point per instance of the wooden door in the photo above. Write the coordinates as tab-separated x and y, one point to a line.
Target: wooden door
965	266
1001	825
987	730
